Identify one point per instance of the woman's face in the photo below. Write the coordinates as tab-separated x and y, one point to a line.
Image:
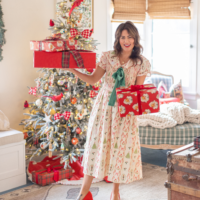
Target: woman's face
126	41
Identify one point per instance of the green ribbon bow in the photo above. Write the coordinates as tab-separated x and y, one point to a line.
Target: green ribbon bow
119	77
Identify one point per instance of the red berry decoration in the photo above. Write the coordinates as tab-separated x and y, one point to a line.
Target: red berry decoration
51	23
78	130
74	141
26	105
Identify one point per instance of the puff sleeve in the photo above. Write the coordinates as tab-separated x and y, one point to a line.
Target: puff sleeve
145	68
103	61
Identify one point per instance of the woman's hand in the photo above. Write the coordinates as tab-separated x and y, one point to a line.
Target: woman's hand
69	69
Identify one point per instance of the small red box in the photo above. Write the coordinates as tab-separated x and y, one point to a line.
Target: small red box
137	100
54	45
44	59
48	176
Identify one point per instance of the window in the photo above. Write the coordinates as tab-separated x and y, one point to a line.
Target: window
171	48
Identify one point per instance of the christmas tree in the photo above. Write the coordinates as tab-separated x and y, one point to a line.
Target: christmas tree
58	118
2	31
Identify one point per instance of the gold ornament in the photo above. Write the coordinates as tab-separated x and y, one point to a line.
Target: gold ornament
52	112
85	100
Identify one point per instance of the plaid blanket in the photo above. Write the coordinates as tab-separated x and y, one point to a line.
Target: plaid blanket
179	135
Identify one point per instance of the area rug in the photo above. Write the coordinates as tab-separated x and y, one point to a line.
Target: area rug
151	187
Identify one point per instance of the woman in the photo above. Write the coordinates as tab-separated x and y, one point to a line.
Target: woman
113	146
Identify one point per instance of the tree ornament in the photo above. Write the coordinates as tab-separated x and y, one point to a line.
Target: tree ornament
25	135
85	100
47	118
78	130
80	116
73	100
61	82
74	141
43	145
62	147
51	23
46	86
39	102
41	91
56	98
26	105
33	91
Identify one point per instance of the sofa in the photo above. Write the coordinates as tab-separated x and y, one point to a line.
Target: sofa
168	138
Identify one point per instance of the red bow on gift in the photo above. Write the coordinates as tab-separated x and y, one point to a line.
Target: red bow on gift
86	33
33	91
66	115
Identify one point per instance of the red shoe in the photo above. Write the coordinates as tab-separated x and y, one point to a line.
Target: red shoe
88	196
111	196
106	179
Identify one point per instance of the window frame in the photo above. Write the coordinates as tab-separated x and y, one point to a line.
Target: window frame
193	90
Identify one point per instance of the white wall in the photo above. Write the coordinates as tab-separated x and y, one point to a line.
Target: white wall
24	20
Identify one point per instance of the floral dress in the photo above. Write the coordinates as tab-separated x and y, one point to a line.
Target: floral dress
113	147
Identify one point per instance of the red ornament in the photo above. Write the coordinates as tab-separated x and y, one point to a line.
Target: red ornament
78	130
74	141
25	135
56	98
51	23
26	105
73	100
95	88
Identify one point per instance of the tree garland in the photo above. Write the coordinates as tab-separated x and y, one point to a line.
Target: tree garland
2	31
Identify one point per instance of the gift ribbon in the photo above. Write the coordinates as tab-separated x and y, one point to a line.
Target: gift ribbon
137	88
77	58
49	170
119	77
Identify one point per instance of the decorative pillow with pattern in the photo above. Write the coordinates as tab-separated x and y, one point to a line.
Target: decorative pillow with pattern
176	90
162	89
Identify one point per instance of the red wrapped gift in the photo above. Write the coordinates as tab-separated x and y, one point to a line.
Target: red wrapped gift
64	59
51	175
137	100
54	44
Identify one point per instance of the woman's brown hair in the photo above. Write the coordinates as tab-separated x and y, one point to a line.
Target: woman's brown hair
132	30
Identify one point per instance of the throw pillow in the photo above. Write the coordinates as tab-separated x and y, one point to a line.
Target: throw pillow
168	100
161	89
176	90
